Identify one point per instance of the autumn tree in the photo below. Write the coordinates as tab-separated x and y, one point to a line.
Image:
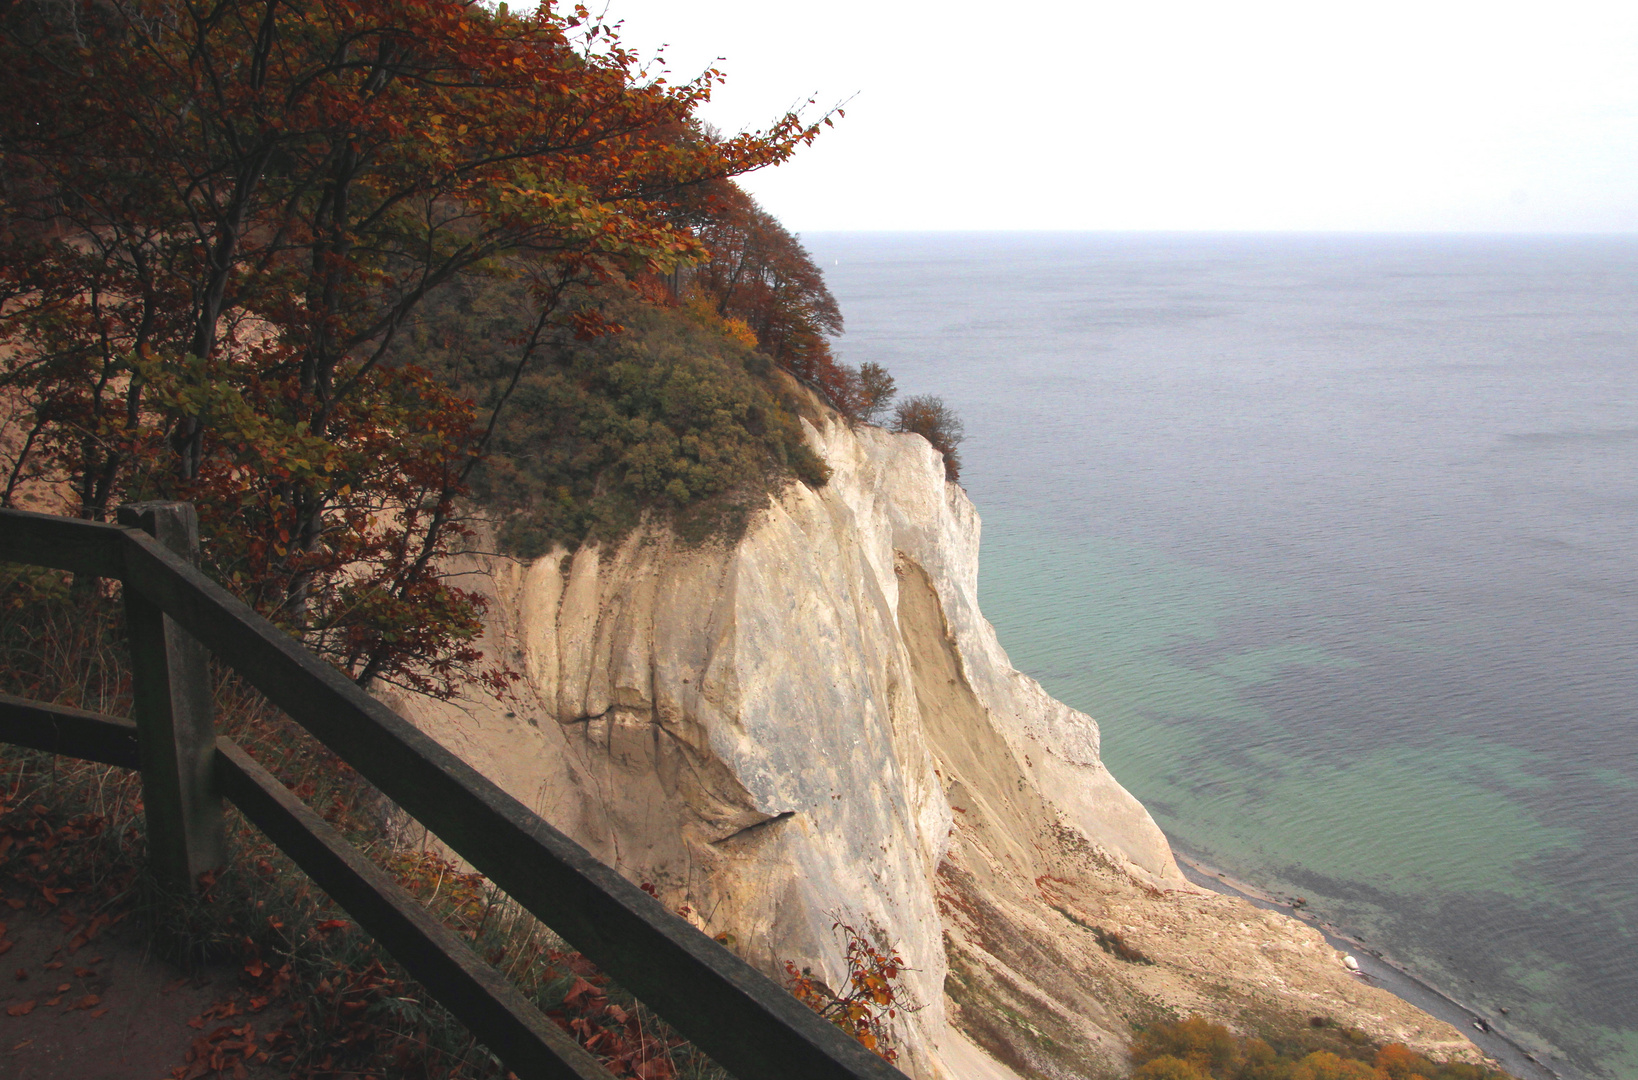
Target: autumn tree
758	272
875	393
220	215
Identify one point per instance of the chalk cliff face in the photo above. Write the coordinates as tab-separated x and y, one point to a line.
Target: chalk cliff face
817	724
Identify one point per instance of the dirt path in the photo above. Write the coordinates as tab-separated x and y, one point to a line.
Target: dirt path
103	1009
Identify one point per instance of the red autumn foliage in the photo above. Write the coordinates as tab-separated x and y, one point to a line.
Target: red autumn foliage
216	219
871	1001
759	274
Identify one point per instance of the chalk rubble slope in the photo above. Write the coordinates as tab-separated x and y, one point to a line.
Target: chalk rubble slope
817	722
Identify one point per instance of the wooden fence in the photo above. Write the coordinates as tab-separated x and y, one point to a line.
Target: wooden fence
744	1020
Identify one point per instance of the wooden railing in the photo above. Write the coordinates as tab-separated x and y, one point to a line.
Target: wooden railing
745	1021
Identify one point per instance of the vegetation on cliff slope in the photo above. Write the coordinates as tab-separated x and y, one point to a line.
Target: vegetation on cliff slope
217	222
329	267
675	414
334	271
1196	1049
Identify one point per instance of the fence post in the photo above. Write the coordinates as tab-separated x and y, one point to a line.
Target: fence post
176	728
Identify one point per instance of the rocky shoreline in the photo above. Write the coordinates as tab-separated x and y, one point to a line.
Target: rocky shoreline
1486	1031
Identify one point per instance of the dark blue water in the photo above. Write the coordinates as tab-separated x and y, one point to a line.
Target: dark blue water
1335	537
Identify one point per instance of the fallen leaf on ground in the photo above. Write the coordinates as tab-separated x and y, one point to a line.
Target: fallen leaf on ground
54	1002
22	1009
223	1009
53	966
86	1002
64	988
580	988
98	1014
92	929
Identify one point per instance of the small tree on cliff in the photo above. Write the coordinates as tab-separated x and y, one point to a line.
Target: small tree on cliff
876	390
936	422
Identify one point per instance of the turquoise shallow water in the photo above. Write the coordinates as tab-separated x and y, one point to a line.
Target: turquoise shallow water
1334	536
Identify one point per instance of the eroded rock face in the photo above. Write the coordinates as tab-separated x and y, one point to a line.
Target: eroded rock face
817	724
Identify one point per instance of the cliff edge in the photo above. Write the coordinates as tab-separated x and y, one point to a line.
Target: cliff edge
817	723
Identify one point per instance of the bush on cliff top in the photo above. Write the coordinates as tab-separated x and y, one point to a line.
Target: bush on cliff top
676	413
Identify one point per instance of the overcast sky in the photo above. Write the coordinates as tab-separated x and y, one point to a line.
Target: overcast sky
1175	114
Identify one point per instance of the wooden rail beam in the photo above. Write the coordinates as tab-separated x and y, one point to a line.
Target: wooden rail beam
58	729
736	1014
83	547
733	1012
480	997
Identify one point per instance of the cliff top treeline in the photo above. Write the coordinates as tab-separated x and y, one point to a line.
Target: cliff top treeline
327	267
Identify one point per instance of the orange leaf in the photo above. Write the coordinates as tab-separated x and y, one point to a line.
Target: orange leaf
579	989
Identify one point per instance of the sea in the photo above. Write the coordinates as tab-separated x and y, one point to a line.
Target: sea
1335	537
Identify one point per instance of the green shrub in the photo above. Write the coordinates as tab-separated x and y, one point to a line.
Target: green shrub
673	414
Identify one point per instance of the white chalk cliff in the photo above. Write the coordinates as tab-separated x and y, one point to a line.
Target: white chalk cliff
817	722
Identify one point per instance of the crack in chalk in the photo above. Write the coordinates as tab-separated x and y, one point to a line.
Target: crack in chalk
763	824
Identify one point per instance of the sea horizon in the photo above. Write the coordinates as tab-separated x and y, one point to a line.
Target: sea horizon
1497	234
1292	515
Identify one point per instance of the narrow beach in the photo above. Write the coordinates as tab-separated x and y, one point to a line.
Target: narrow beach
1390	976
